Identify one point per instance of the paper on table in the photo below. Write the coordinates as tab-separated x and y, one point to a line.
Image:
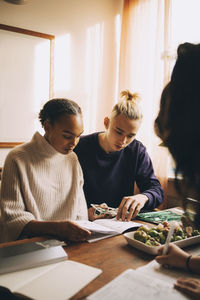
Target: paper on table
132	284
21	257
58	281
104	228
155	270
117	225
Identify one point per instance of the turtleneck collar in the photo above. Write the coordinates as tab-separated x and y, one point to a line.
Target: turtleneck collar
44	146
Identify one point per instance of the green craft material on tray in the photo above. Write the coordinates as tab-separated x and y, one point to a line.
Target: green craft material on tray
159	216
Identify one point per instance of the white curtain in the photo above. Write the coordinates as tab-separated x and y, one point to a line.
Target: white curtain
144	68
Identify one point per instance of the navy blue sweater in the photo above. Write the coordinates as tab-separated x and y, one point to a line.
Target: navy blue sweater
110	177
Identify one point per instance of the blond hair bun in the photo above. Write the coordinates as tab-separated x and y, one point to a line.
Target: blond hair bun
128	106
128	96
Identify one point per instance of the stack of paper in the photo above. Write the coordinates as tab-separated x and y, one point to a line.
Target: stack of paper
28	255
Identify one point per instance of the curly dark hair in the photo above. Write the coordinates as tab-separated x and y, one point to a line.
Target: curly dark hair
54	108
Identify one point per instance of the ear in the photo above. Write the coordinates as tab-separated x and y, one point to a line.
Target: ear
106	122
46	126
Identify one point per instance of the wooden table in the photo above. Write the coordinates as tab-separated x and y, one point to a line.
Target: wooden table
112	255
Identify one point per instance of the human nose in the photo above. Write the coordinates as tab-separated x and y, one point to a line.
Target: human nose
123	140
74	141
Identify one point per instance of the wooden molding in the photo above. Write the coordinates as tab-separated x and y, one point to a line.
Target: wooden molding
26	31
9	144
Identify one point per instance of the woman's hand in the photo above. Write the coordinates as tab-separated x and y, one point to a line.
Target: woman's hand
63	230
131	206
67	230
189	286
175	257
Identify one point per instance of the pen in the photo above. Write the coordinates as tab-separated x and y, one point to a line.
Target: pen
168	239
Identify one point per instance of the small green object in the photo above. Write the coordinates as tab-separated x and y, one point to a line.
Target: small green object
141	236
159	216
153	233
178	238
195	232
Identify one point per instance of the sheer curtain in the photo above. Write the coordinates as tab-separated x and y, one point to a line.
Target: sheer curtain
144	68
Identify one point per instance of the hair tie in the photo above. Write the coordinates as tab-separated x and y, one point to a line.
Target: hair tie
188	263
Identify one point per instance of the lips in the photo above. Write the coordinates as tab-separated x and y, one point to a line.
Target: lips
69	149
119	146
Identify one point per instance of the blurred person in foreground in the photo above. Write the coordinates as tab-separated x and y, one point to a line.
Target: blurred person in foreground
178	126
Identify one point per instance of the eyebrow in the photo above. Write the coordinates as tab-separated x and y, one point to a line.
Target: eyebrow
66	131
133	134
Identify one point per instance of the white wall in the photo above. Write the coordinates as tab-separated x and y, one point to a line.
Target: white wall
86	50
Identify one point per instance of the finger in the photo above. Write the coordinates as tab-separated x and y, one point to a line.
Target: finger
187	290
125	210
136	210
162	260
190	282
91	213
80	236
79	231
119	211
160	251
131	212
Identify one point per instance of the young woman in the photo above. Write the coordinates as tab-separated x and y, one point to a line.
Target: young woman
113	160
178	126
41	189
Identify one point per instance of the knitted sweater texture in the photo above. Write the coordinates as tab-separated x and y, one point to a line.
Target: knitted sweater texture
38	183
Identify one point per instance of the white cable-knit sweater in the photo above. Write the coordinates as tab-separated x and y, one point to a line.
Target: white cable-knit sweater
39	183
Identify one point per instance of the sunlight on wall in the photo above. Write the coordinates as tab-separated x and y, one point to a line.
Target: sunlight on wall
41	79
62	64
117	45
185	21
94	60
182	31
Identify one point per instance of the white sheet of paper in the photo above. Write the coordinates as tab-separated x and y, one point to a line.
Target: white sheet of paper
104	228
117	225
155	270
94	226
57	281
132	284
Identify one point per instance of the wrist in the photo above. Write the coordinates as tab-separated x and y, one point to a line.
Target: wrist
144	198
187	264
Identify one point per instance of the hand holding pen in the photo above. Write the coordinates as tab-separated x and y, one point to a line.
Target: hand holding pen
170	254
168	239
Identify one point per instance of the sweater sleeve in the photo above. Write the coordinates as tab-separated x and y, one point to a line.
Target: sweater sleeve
82	206
13	210
147	182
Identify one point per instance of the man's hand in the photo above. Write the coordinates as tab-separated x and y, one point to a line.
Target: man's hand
92	216
131	206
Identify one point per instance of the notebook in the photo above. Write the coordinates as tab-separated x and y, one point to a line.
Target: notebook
28	255
104	228
58	281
